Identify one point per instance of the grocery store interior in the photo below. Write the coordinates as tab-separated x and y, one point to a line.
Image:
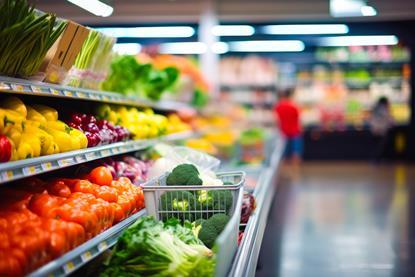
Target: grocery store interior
207	138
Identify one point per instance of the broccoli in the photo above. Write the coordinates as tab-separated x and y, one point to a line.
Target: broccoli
208	234
214	199
211	228
218	221
184	175
177	204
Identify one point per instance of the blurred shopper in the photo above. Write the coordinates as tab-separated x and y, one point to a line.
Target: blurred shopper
381	121
287	115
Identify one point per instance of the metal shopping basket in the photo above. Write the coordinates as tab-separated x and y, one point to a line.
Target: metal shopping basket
156	194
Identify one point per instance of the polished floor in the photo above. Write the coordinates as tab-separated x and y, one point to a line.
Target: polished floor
341	219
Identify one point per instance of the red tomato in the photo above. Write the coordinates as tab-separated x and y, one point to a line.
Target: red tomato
101	176
59	188
107	193
44	204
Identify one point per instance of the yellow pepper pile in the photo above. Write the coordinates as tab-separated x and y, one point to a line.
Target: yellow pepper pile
142	124
36	131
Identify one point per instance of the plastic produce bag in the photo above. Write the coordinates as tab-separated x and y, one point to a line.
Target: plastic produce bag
172	156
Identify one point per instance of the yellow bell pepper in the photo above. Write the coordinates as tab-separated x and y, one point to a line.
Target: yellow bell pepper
15	104
33	141
24	151
58	125
14	134
49	113
45	139
62	139
83	141
8	120
53	149
32	114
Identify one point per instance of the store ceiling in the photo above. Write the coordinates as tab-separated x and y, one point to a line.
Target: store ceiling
162	11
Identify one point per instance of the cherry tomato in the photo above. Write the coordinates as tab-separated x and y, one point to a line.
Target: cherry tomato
101	176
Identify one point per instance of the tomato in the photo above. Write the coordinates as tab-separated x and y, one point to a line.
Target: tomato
118	212
59	188
101	176
125	203
10	266
84	186
44	204
107	193
76	233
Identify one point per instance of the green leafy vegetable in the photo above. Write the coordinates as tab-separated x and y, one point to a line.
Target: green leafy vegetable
184	175
149	248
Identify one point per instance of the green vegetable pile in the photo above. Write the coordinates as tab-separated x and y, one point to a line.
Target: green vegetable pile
184	175
208	230
151	248
129	77
25	37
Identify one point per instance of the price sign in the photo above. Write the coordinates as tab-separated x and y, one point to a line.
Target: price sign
80	159
30	170
54	91
105	152
90	156
7	175
68	267
102	246
65	162
47	166
86	256
18	88
68	93
36	89
105	98
81	94
4	86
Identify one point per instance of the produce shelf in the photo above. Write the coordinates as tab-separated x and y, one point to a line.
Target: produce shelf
84	253
248	252
15	170
26	87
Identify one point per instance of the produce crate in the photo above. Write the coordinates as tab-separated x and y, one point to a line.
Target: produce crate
227	243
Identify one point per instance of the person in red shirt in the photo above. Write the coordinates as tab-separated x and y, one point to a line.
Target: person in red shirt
287	114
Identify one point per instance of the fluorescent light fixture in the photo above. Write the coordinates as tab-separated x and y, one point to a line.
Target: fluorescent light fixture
233	30
183	48
306	29
149	32
220	47
267	46
350	8
127	48
94	6
358	40
368	11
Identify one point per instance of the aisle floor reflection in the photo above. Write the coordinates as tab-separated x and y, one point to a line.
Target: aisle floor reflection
340	220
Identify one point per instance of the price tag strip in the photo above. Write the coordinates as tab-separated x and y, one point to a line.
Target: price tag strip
4	86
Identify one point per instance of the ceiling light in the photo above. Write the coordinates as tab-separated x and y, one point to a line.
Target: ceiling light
306	29
233	30
267	46
94	6
220	47
368	11
150	32
358	40
183	48
127	48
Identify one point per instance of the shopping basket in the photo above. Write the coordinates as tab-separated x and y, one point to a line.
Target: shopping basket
156	191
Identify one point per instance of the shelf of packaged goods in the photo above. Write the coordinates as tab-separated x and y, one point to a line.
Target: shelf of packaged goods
248	252
27	87
87	251
15	170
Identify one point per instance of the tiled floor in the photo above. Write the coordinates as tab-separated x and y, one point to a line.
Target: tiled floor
337	219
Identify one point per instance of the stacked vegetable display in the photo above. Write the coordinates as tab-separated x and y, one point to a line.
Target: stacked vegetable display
127	166
129	77
34	131
40	221
25	37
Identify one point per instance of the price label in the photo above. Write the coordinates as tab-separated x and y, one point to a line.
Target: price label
105	98
68	267
86	256
4	86
46	166
54	91
7	175
90	156
36	89
65	162
105	152
17	87
102	246
68	93
30	170
81	94
115	151
80	159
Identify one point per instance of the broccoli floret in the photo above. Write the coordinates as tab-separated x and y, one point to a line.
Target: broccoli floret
208	234
184	175
177	204
214	199
218	221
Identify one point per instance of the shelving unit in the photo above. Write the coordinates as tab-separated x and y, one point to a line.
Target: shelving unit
26	87
29	167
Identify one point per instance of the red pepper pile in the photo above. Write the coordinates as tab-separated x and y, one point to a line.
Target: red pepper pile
40	221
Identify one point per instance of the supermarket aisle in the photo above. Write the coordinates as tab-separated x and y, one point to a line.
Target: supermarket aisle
341	220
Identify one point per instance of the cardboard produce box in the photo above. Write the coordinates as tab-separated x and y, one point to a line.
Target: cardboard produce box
61	56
